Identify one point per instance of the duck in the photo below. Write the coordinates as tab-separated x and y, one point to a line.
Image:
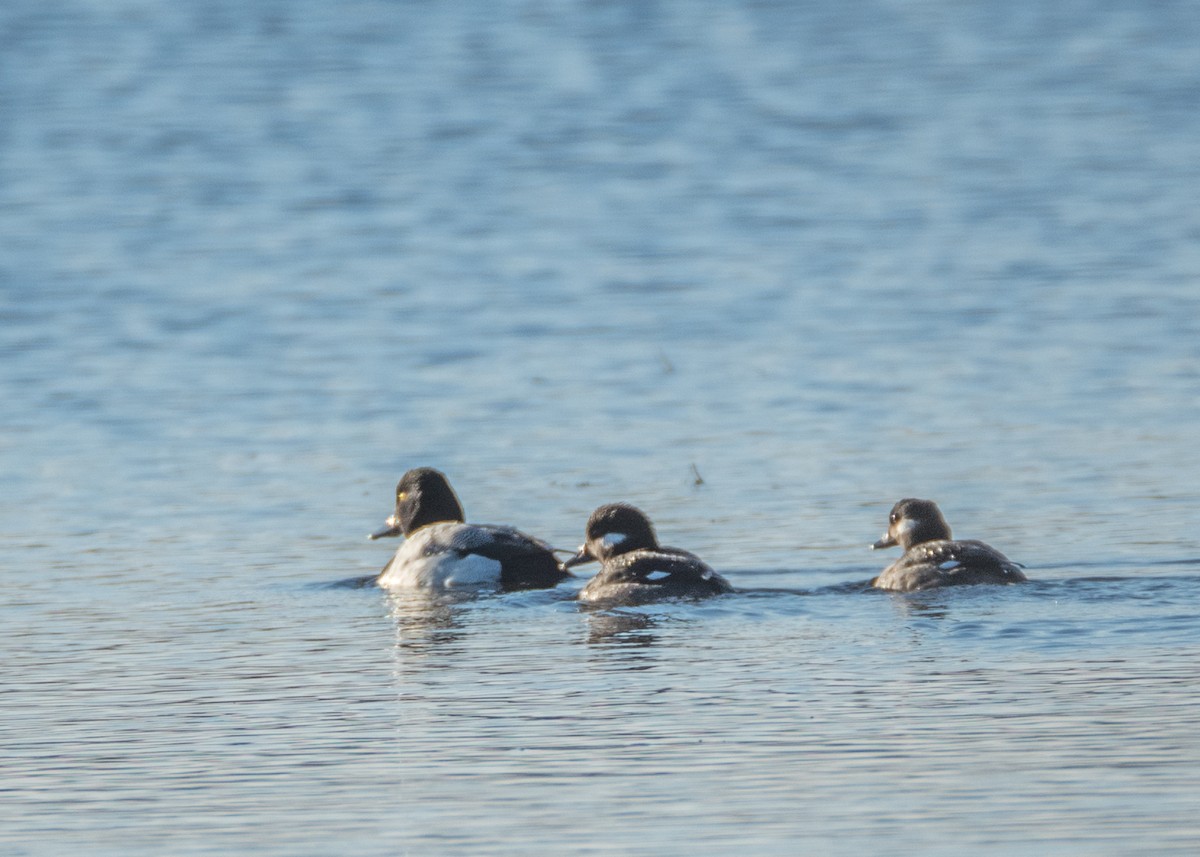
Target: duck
442	551
634	567
932	557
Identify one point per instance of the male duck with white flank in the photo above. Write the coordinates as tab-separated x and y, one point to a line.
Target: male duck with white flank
634	568
932	558
441	551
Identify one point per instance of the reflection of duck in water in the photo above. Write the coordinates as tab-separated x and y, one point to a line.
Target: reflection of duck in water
620	628
429	619
932	558
440	550
634	568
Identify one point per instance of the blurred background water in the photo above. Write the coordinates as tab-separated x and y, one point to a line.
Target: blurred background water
760	268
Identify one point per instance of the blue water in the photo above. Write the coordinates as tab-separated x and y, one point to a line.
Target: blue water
760	268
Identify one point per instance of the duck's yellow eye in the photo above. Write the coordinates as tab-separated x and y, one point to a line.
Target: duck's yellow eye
401	496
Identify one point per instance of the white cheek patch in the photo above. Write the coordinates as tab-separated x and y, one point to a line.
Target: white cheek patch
658	575
906	527
612	540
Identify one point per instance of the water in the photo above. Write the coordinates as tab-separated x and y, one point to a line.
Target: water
256	259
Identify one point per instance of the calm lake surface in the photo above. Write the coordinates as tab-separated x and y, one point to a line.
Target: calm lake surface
760	268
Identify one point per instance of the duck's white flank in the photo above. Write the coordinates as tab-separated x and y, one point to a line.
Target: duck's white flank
426	561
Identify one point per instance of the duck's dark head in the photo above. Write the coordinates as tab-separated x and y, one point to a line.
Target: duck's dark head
612	530
912	522
423	497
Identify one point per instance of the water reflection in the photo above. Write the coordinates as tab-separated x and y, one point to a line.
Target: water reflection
358	582
924	606
427	621
621	629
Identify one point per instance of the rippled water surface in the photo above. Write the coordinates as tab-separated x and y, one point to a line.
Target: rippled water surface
760	268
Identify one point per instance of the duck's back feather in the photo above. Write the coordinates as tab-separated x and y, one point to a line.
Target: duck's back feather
455	554
948	563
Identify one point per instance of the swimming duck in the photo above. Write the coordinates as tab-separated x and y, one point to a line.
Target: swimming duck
634	568
440	550
932	558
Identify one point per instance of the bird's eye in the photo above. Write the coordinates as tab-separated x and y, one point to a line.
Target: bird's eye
893	518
